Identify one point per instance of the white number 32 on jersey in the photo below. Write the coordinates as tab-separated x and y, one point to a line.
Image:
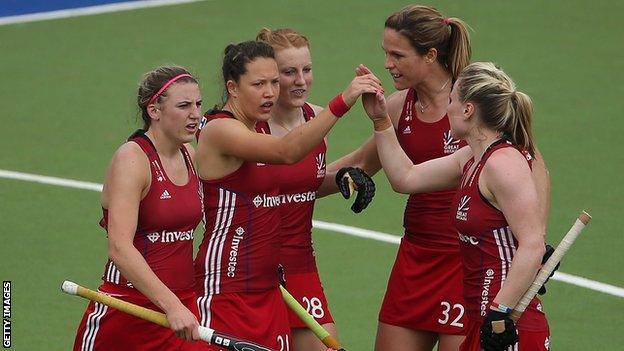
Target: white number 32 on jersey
447	310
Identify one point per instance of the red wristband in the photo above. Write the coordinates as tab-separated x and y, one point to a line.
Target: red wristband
337	106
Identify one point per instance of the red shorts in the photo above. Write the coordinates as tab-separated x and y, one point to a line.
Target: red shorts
259	317
104	328
528	340
425	290
308	290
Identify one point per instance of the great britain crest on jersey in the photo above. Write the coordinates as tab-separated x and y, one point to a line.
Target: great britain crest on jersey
320	165
462	208
450	144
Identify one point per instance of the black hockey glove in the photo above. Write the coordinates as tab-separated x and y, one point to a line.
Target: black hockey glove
364	185
491	341
547	254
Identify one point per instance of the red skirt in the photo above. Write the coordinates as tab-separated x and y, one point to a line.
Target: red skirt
425	290
104	328
259	317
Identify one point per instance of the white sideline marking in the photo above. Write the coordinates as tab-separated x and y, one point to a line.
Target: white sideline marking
90	10
338	228
394	239
588	283
359	232
50	180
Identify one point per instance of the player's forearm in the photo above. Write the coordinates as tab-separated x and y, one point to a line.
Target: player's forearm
350	160
136	270
394	161
328	186
364	157
524	267
301	140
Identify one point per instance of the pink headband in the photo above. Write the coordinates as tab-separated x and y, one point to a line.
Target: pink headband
166	85
446	21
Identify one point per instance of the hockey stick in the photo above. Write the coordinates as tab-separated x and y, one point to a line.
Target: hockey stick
318	330
543	274
206	334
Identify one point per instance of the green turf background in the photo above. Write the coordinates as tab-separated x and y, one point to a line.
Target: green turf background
66	103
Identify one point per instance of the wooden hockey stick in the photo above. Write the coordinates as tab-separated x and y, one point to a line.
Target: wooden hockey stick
206	334
548	267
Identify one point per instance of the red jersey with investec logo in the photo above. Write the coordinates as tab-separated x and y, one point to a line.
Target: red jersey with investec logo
298	185
240	249
168	215
426	220
487	247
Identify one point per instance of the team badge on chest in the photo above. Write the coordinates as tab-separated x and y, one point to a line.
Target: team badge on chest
462	208
450	144
320	165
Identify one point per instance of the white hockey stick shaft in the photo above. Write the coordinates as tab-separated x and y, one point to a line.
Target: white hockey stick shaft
563	247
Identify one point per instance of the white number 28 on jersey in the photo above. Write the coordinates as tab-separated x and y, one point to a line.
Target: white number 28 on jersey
314	306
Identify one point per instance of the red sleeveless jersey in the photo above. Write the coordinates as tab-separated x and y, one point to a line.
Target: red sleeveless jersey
298	185
487	246
240	249
426	218
168	216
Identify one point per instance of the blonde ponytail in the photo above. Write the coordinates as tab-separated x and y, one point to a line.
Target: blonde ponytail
520	129
501	107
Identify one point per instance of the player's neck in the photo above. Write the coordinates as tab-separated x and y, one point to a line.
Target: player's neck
165	147
287	117
480	139
434	90
238	113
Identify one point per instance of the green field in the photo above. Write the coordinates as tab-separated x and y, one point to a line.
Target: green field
66	103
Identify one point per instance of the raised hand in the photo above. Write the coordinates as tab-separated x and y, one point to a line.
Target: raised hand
361	70
374	104
361	84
